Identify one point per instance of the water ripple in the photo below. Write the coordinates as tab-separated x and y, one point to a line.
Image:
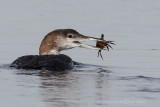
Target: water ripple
155	90
139	77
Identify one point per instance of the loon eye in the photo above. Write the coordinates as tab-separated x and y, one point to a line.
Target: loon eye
70	36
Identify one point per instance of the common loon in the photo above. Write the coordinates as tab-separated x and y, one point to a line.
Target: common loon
49	57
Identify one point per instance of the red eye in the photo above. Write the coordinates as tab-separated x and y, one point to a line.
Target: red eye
70	36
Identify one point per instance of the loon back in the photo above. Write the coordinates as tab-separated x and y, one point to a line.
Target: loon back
44	62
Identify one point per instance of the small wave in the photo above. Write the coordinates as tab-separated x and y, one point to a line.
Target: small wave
85	66
5	66
156	90
79	67
139	77
151	49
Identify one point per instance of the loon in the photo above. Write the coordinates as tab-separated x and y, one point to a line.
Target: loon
49	57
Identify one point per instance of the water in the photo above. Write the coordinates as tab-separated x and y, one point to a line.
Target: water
131	74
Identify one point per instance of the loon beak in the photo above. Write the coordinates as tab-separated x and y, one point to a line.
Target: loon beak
80	37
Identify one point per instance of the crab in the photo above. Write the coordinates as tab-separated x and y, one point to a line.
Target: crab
104	44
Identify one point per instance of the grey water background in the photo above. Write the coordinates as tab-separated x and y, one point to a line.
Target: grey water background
131	76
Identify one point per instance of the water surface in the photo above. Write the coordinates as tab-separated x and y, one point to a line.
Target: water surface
128	76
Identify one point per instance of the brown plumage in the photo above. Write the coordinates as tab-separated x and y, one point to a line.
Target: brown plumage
52	40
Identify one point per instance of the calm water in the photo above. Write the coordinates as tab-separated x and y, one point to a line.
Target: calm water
129	75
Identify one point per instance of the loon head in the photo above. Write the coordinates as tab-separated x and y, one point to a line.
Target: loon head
63	39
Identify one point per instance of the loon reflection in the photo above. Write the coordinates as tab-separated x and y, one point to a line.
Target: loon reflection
49	57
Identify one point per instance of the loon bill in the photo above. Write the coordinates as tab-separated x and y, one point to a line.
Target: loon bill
49	57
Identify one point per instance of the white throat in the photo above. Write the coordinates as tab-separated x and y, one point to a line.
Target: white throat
54	52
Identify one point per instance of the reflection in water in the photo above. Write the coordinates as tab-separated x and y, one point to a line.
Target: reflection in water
85	88
55	87
100	94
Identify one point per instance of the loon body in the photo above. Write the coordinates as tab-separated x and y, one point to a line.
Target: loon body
45	62
49	57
